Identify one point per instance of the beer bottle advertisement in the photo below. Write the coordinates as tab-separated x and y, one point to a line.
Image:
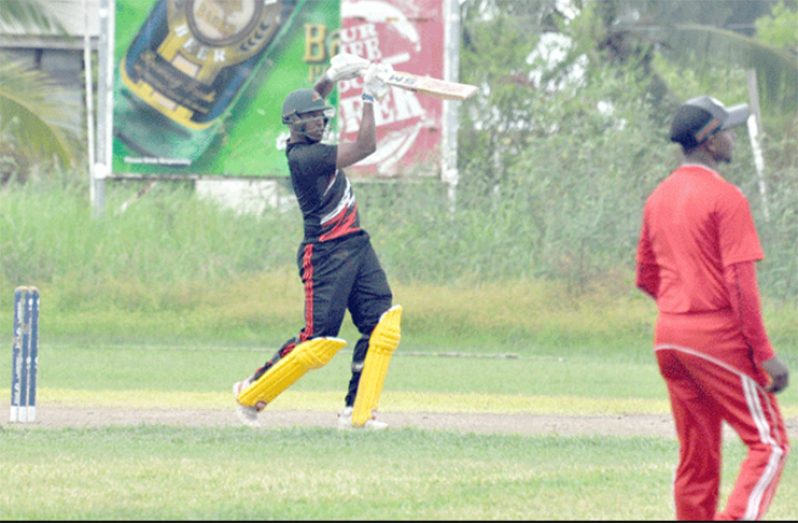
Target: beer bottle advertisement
199	84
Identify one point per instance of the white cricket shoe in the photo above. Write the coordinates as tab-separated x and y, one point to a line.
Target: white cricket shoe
374	424
247	415
345	422
345	418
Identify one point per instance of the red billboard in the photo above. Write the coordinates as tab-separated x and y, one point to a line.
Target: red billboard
410	36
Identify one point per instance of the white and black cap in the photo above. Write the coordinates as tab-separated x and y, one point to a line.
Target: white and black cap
699	118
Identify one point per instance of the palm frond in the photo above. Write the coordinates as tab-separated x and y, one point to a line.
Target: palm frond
28	14
32	111
777	69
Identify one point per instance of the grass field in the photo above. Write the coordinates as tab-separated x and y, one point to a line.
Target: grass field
528	347
298	474
169	472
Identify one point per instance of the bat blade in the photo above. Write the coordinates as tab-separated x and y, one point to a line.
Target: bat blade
431	86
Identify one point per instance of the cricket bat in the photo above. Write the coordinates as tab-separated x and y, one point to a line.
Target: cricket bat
431	86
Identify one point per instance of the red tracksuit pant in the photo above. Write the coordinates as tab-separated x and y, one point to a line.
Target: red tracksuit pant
712	378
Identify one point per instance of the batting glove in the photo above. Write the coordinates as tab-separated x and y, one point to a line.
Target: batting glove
345	66
374	80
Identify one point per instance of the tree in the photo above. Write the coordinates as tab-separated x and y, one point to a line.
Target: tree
33	109
702	38
570	129
28	14
779	28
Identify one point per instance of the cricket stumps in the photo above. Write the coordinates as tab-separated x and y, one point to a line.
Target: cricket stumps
383	342
24	355
311	354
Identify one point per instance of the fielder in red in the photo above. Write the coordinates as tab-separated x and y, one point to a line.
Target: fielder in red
696	257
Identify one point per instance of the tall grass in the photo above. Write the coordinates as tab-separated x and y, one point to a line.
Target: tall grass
173	264
47	234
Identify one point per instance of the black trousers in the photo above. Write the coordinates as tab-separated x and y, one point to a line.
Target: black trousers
338	275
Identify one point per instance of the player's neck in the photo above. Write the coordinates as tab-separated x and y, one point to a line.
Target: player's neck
700	157
300	138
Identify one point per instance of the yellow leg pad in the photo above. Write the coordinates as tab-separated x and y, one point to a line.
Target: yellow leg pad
310	354
382	344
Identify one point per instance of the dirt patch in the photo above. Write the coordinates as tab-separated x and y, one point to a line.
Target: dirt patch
480	423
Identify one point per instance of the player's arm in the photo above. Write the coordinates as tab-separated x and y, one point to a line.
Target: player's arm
647	271
741	284
346	66
374	89
350	153
324	86
648	279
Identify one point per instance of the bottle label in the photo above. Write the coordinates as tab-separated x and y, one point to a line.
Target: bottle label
191	57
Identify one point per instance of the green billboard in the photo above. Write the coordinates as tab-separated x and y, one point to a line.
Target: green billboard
199	84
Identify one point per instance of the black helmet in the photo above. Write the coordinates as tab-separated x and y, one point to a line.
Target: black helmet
303	101
699	118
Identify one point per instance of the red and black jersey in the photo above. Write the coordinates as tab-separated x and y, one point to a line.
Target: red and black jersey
325	196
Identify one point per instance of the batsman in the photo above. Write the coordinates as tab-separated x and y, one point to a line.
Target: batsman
337	263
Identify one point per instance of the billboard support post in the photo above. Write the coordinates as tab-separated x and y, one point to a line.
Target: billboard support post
89	81
105	91
754	129
449	173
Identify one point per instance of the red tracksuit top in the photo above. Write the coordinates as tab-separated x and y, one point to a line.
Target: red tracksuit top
696	225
